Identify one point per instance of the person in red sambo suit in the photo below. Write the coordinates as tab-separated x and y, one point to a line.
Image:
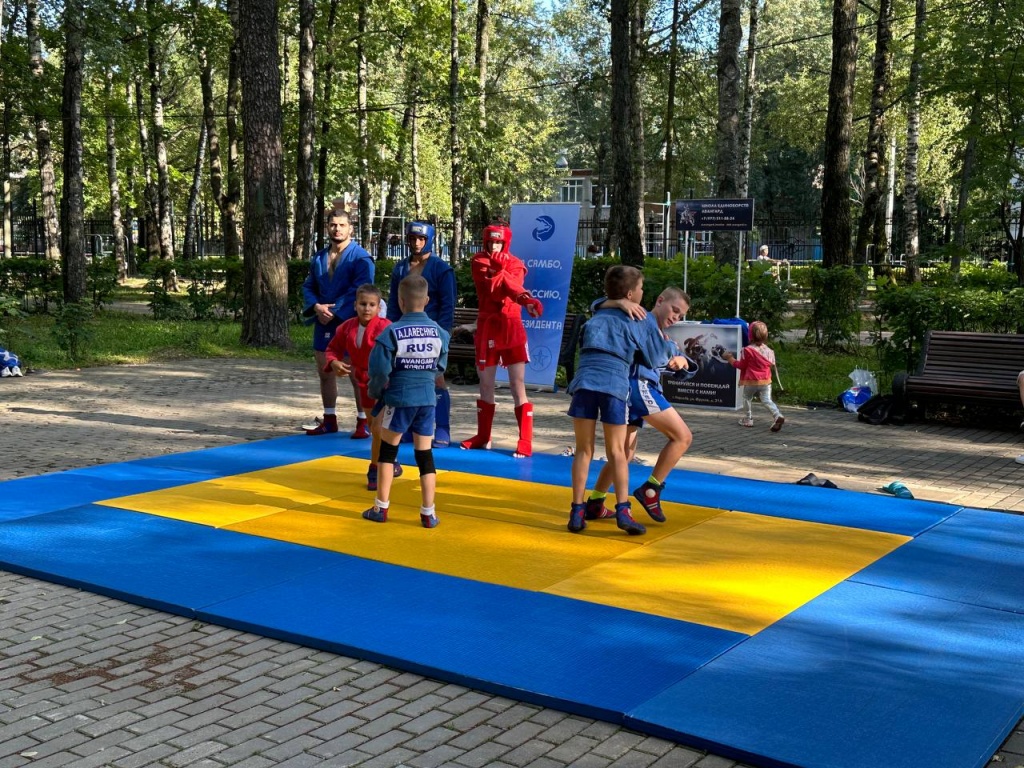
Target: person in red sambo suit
500	335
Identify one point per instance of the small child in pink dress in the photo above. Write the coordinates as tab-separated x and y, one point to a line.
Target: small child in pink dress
755	365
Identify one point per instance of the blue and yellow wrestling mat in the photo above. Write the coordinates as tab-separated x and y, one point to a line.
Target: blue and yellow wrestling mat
782	625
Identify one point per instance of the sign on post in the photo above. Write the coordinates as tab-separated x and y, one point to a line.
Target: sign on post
714	215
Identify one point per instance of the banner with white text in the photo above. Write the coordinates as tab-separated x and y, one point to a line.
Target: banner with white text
544	237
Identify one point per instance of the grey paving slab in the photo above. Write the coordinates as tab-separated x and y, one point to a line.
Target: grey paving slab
206	695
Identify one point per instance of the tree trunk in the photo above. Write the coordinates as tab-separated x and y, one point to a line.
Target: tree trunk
874	157
391	204
365	217
325	127
966	175
265	291
414	157
47	179
191	249
624	219
152	204
670	105
910	224
727	132
483	46
114	184
458	207
749	96
156	105
305	204
837	227
212	133
232	245
72	202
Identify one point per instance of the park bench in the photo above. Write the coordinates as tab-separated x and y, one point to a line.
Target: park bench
961	368
461	350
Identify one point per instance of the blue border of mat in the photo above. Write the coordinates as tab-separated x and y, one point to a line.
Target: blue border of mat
875	634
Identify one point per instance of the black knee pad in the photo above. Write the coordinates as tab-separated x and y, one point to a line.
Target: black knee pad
425	461
388	453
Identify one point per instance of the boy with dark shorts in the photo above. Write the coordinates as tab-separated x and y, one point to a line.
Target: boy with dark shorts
407	358
611	342
647	403
348	354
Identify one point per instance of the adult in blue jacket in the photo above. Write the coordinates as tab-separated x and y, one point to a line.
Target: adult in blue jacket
329	297
440	277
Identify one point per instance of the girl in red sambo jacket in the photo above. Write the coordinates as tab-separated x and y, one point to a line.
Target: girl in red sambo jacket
500	335
354	339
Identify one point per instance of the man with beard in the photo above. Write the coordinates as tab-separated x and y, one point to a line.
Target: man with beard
329	295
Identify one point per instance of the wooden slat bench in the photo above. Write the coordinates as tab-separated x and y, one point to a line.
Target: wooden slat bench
961	368
461	350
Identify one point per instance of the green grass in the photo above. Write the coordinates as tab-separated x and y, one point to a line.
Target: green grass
119	338
811	376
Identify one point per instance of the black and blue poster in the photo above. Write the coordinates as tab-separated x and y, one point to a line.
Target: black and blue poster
714	383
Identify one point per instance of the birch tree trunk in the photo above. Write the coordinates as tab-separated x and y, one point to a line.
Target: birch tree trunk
836	225
414	157
114	184
668	139
910	222
72	202
365	217
190	250
152	204
305	203
458	208
232	244
265	292
156	105
325	128
749	97
44	152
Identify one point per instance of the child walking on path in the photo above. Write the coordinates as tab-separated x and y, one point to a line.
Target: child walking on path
405	362
755	364
648	404
611	342
354	340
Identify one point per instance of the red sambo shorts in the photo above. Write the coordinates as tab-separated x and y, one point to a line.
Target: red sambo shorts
488	354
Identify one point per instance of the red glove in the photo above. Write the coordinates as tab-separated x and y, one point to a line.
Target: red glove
533	306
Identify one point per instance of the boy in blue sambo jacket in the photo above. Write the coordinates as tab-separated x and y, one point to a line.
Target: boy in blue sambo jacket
611	343
407	358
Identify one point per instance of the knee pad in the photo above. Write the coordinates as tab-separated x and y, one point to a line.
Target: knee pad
388	453
425	461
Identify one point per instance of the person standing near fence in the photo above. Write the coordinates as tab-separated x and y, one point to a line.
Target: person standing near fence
440	277
329	298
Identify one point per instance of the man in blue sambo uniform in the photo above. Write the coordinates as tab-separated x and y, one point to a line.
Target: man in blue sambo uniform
440	277
328	299
406	360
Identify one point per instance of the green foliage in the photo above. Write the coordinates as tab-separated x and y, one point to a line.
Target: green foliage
834	322
31	281
11	317
909	312
72	329
101	279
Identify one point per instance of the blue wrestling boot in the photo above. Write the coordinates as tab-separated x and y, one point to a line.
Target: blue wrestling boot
576	518
624	519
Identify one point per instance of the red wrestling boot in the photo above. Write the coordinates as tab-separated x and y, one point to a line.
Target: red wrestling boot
524	415
362	430
484	419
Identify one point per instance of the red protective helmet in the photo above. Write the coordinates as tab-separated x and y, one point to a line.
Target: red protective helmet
500	232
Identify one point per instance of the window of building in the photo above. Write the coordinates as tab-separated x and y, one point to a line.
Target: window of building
572	191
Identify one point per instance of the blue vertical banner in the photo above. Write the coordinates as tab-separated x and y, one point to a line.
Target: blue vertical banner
544	237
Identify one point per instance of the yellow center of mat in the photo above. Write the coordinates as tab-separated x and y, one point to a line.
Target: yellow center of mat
716	567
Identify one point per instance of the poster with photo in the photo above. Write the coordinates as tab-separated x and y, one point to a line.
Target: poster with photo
714	383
